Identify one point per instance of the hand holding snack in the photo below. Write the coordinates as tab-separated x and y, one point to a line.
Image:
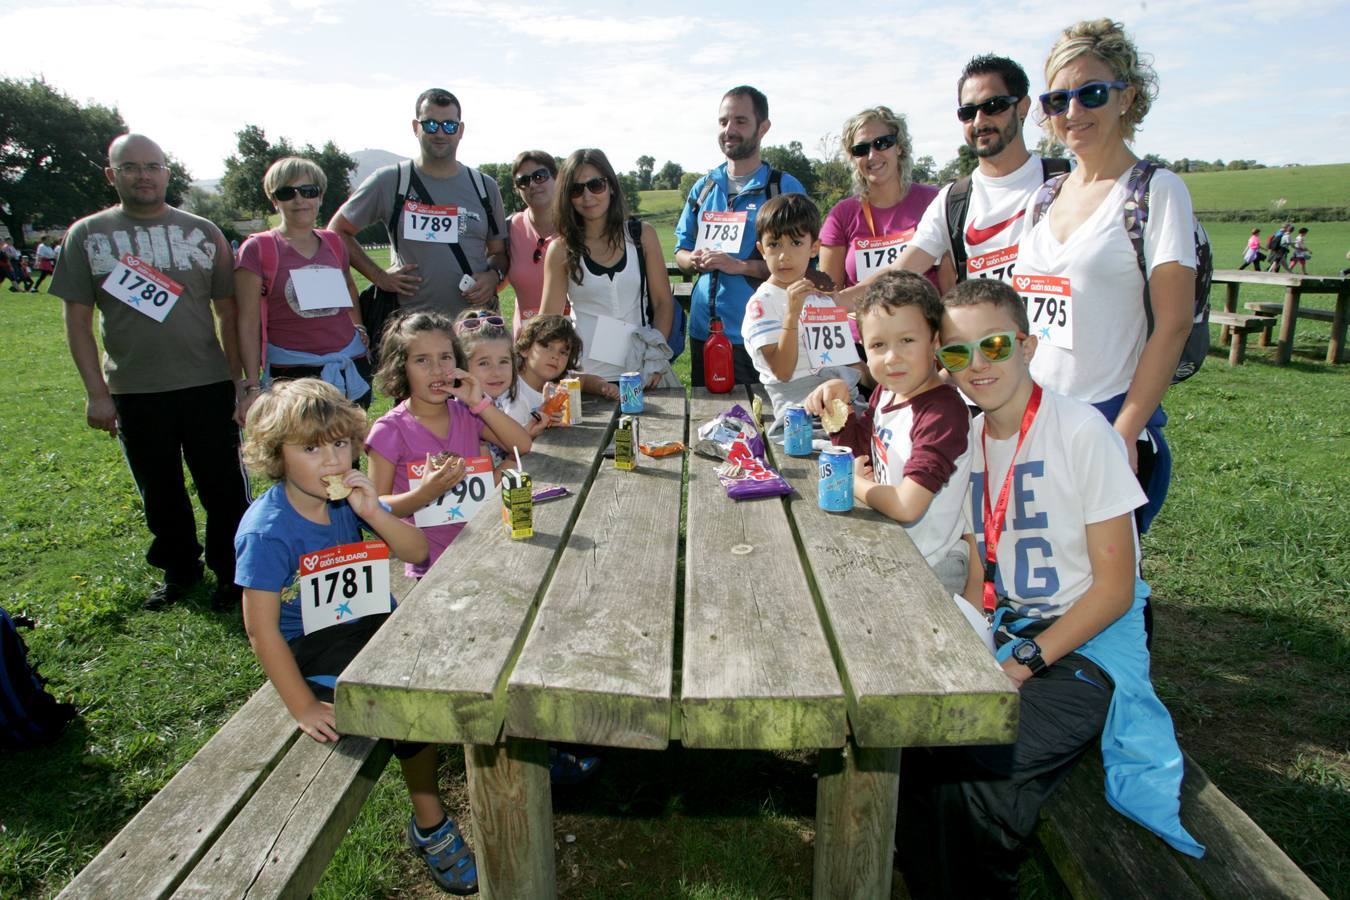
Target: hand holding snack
821	398
835	416
357	489
337	487
465	387
443	471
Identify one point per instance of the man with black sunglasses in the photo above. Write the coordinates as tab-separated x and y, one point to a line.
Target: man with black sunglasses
445	220
979	219
722	253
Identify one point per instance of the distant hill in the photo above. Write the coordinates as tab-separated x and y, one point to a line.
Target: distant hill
367	161
1273	191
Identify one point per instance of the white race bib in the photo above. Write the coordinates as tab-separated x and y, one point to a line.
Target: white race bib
994	264
342	584
871	255
1049	308
829	341
430	224
720	231
143	287
320	288
462	502
610	341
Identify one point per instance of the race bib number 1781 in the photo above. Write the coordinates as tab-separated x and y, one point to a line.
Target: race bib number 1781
343	583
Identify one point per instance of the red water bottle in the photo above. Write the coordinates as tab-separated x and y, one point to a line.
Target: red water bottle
719	373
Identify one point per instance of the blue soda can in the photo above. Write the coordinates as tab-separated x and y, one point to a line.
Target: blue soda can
630	393
797	430
836	479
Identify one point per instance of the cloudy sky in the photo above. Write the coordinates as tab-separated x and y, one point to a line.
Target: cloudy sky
1242	79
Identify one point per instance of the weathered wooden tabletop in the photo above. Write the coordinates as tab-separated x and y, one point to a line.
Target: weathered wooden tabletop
786	627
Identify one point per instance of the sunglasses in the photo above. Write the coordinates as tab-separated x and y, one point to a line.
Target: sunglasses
1091	95
431	126
885	142
308	191
995	347
538	176
539	250
473	323
992	107
595	186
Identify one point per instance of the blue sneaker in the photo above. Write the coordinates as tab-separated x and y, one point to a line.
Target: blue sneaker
447	856
567	768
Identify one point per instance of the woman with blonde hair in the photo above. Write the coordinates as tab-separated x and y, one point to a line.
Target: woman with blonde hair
866	232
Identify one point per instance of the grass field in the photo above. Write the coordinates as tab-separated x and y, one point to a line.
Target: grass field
1296	186
1252	652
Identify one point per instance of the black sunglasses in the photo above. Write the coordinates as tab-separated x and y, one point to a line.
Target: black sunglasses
538	176
992	107
1092	95
539	250
431	126
308	191
885	142
595	186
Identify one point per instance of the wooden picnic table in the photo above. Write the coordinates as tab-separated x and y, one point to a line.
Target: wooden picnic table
791	628
1295	287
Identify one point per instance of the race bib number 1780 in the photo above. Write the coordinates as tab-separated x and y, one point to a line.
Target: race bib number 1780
343	583
1049	308
143	287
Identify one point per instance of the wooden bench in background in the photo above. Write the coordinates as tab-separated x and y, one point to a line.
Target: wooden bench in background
1295	286
1236	327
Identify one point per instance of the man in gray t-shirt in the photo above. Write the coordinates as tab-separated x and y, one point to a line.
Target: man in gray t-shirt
427	269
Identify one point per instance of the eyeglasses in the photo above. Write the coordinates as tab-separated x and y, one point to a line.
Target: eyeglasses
595	186
885	142
134	169
539	249
995	347
431	126
473	323
1091	95
538	176
992	107
308	191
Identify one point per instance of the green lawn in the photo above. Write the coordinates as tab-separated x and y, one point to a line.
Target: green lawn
1272	189
1252	649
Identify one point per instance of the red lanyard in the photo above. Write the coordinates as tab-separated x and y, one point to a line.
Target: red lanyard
993	521
867	214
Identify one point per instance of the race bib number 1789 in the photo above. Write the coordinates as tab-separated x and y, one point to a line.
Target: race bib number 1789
430	224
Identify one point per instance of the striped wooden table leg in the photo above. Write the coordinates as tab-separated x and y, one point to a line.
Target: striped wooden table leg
856	801
512	819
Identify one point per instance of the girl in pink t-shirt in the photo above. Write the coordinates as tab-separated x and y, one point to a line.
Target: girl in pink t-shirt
442	409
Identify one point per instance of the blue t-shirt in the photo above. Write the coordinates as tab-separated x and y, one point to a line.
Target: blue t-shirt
733	291
272	537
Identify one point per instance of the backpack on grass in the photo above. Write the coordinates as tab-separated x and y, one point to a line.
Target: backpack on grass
29	716
1136	219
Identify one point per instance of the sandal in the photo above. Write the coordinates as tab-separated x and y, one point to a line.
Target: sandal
447	856
568	768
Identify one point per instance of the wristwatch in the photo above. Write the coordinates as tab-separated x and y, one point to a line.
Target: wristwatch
1028	653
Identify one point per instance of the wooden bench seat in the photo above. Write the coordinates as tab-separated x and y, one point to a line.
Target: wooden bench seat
1236	327
1098	853
1304	312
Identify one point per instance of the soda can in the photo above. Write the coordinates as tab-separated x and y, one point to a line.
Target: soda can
836	479
626	443
518	504
797	430
573	386
630	393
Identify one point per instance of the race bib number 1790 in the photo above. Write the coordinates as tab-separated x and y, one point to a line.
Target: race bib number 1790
459	504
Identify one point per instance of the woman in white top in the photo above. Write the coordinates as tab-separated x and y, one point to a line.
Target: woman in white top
1078	268
594	264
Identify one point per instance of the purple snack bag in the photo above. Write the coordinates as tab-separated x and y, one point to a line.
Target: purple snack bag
745	476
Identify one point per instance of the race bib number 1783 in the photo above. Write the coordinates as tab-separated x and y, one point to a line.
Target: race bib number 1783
720	231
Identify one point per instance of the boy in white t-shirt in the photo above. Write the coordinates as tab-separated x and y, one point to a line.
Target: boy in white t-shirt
788	227
1068	625
913	442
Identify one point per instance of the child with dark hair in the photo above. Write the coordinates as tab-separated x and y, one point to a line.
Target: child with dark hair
547	348
795	352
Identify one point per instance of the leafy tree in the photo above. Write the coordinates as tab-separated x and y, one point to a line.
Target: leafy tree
180	181
337	168
242	185
834	181
669	176
629	183
214	206
52	155
645	164
925	170
501	173
1050	148
792	160
962	165
687	182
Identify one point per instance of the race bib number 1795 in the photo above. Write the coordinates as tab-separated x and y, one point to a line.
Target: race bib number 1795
1049	308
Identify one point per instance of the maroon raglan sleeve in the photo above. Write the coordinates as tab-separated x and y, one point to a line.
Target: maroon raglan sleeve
939	435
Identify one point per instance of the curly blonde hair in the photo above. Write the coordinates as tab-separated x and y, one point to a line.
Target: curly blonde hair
1107	40
300	411
895	123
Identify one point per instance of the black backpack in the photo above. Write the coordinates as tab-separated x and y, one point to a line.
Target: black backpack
1273	242
958	205
29	716
678	324
1136	218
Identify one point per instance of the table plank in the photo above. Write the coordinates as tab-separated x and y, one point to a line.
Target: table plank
447	684
757	671
914	671
597	667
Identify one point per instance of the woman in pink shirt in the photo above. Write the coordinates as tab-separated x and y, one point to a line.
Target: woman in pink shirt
866	232
535	175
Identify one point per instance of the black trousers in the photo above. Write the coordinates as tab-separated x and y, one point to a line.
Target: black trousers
964	812
746	373
161	431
